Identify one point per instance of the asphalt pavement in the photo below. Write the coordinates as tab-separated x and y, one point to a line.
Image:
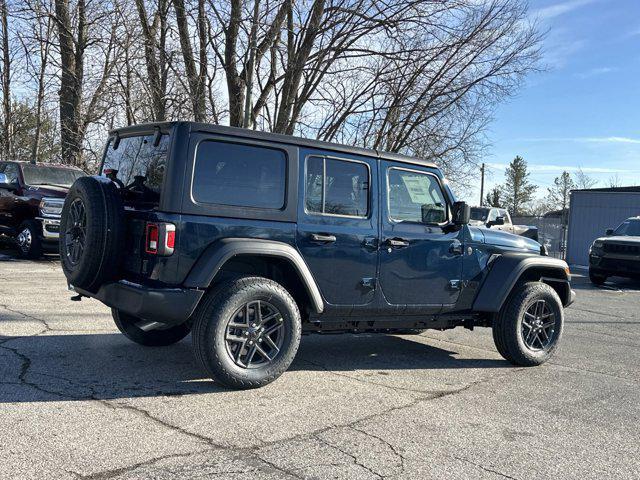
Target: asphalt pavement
78	400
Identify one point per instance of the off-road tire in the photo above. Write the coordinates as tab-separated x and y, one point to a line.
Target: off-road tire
209	327
99	261
153	338
33	250
597	278
507	324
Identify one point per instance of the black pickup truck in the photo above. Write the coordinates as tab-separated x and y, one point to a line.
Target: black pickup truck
31	199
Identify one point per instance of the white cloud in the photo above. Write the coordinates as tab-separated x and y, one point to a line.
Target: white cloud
540	168
552	11
595	72
626	140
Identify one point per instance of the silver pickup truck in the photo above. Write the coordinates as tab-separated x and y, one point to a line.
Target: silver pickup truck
499	219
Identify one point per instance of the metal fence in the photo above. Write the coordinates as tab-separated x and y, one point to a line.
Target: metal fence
551	231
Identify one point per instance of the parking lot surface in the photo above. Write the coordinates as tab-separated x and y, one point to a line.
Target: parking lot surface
78	400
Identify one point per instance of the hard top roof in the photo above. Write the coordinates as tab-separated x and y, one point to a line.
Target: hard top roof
274	137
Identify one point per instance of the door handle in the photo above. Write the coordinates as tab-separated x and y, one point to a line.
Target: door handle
397	242
456	248
321	237
370	243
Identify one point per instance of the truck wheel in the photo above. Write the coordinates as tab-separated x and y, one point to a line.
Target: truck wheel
528	328
91	233
28	240
127	324
597	278
247	332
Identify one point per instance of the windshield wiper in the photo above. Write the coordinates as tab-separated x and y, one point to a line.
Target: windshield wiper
51	184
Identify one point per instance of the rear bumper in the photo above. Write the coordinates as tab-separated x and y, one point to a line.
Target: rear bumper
170	306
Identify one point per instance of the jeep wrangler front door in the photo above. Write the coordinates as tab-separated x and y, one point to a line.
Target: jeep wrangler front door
338	225
420	254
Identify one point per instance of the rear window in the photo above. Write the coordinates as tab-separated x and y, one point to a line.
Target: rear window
239	175
137	157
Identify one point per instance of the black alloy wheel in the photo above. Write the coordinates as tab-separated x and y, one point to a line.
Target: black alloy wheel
254	334
75	234
538	325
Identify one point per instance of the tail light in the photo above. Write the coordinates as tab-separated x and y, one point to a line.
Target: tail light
160	239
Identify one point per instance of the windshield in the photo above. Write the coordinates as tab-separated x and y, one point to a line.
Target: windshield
479	214
629	228
42	175
137	161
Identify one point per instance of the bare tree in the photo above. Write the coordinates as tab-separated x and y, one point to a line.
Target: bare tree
7	124
584	181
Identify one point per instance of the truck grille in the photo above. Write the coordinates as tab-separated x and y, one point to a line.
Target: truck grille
622	249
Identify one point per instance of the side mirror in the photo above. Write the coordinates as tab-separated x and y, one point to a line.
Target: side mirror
609	232
499	221
461	213
4	182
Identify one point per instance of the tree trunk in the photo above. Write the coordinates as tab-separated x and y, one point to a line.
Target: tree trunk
71	58
154	73
195	79
7	125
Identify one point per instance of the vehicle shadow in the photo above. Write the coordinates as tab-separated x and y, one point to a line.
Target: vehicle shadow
9	253
107	366
612	283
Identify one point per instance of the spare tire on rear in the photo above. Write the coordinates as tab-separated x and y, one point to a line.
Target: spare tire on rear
91	233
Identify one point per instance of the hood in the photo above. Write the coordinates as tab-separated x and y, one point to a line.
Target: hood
505	239
621	239
48	190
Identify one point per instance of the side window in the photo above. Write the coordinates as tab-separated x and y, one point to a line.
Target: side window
336	187
415	197
493	214
239	175
507	218
11	171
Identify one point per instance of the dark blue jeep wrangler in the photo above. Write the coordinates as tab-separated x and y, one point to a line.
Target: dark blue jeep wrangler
249	239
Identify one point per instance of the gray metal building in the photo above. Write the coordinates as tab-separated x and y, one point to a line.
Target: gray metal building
592	212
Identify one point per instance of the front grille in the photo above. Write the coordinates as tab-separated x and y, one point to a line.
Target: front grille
622	249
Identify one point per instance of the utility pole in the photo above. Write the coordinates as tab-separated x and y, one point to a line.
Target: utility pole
482	185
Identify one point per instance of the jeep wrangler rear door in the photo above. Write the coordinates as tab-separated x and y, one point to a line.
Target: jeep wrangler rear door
420	255
338	224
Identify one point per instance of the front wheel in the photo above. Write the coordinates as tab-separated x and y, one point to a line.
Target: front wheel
129	326
597	278
28	240
528	328
247	332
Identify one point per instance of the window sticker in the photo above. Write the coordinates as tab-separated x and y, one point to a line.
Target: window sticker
418	187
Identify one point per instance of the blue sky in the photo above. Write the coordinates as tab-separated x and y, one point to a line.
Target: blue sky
584	110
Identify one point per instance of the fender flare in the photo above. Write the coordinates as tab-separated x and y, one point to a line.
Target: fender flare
505	272
217	254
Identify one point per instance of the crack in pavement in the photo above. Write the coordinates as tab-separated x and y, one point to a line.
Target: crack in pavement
348	454
401	458
482	467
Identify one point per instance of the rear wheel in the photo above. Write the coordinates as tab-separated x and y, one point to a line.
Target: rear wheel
133	328
28	240
597	278
528	328
247	332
